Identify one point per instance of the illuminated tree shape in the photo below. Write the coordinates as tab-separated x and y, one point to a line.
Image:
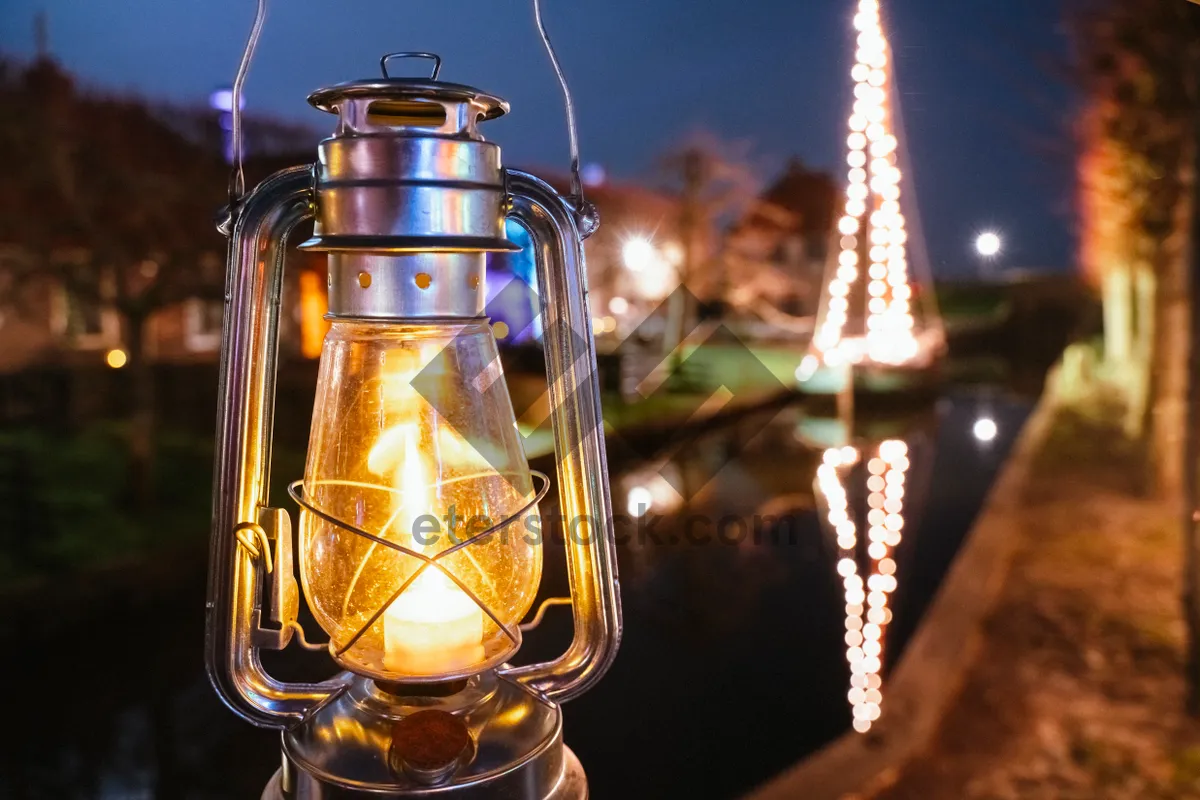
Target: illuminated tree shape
867	309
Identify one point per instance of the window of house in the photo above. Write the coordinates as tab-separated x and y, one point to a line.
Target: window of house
86	322
202	325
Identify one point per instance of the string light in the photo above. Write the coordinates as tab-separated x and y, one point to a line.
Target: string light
867	611
858	647
872	206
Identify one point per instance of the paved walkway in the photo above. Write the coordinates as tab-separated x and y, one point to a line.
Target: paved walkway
1078	691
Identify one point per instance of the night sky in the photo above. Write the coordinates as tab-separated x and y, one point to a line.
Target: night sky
986	109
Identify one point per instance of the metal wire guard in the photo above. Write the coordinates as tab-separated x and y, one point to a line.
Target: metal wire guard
297	491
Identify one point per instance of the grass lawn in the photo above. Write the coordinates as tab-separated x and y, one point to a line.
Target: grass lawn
65	499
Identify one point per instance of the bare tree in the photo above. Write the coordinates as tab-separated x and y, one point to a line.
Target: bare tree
715	183
113	206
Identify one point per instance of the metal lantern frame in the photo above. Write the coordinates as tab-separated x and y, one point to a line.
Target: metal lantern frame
253	595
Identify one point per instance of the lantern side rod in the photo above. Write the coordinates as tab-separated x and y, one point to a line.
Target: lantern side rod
578	441
254	276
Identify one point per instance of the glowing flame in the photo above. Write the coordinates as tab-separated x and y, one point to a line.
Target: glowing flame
433	626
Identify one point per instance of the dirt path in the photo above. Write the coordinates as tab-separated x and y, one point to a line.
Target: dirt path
1078	690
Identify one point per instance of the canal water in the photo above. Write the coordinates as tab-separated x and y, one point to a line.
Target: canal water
755	582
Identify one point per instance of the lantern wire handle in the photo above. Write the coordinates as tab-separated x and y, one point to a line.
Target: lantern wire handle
434	57
572	129
252	537
526	627
237	179
303	642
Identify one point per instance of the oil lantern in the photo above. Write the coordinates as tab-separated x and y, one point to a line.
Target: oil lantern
418	540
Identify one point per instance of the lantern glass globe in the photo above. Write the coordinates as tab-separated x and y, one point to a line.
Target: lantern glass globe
415	443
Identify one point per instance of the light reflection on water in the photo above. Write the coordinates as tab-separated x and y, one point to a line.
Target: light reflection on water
735	648
867	612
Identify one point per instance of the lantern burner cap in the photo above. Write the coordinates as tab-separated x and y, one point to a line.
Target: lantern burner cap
429	89
328	99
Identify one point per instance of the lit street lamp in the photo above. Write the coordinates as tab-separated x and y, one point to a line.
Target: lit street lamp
988	244
984	430
639	254
655	270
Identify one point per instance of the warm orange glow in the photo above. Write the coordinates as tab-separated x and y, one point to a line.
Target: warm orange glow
116	358
387	459
313	304
433	626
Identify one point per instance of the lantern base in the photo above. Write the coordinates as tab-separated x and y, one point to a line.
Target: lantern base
572	787
344	750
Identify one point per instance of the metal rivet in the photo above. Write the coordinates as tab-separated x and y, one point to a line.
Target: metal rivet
473	281
423	280
364	279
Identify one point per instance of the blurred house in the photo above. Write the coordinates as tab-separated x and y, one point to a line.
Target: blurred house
106	218
112	181
776	253
52	326
632	259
